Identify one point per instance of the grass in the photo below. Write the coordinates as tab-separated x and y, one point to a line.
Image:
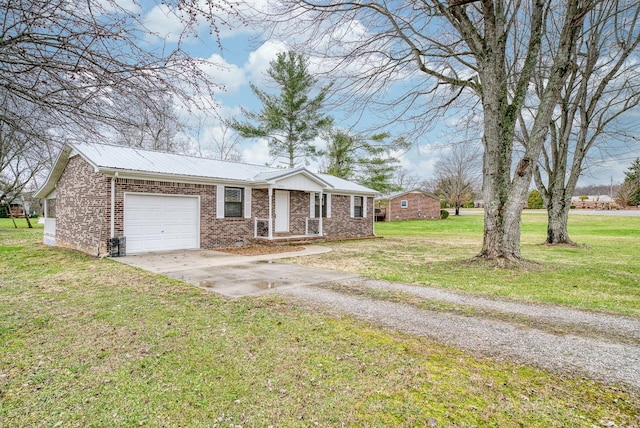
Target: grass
603	274
90	342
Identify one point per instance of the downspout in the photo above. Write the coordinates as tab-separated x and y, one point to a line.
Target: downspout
113	205
270	236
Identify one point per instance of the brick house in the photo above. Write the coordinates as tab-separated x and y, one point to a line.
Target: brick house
95	194
407	205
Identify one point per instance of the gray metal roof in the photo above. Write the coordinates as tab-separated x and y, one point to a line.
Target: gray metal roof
404	192
129	161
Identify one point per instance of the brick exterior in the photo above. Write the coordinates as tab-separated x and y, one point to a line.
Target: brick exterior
419	206
83	208
342	225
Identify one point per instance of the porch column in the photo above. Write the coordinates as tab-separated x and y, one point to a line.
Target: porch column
270	236
46	209
320	233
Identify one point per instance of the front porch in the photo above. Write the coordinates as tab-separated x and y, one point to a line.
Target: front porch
264	234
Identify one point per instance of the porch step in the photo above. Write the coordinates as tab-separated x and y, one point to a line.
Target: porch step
291	240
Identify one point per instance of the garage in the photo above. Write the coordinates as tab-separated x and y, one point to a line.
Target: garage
161	222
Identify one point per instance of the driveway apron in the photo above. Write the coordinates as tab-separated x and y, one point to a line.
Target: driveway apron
232	275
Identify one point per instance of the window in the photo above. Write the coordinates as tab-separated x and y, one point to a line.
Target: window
233	201
404	203
357	206
319	205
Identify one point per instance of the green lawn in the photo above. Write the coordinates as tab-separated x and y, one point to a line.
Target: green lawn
90	342
603	274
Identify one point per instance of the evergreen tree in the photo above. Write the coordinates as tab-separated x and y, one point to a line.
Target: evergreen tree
291	119
366	160
632	181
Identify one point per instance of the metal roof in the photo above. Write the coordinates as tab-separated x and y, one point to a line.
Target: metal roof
404	192
130	161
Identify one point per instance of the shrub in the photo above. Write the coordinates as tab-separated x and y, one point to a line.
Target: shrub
572	207
535	200
444	214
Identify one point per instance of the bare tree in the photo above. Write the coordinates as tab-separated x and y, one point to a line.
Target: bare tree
603	85
225	144
215	139
406	180
156	127
454	55
75	64
458	174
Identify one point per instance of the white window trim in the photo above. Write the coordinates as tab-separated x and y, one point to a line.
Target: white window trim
364	207
328	205
404	203
219	201
247	202
352	205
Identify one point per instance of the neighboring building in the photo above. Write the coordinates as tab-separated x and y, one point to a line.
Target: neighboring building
594	202
407	205
16	208
96	194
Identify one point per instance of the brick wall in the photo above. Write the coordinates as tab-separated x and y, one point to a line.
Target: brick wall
81	208
341	225
419	206
84	202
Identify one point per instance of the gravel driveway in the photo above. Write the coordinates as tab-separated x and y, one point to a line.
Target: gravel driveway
599	346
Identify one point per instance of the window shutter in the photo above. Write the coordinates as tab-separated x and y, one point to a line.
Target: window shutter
219	201
247	202
351	207
312	205
364	206
328	205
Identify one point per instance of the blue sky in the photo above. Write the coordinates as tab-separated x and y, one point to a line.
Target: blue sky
245	58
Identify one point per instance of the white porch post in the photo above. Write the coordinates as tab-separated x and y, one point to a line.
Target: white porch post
320	232
46	209
270	236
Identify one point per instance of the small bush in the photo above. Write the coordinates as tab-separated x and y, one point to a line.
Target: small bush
444	214
572	207
535	200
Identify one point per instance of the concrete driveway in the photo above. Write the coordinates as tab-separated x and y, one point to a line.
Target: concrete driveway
232	275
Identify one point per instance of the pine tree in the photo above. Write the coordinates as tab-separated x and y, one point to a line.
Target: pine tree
292	118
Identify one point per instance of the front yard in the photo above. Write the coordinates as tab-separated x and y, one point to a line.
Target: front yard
602	275
90	342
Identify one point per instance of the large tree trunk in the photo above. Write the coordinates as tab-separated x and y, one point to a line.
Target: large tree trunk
503	196
558	202
557	232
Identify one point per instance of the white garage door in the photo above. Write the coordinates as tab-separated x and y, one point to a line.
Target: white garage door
161	222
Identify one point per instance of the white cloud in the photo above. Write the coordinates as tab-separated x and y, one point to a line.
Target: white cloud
257	153
258	62
225	74
163	22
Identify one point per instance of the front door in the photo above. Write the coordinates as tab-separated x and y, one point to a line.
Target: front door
282	211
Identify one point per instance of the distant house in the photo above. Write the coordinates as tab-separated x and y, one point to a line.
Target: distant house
593	202
97	194
14	209
407	205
